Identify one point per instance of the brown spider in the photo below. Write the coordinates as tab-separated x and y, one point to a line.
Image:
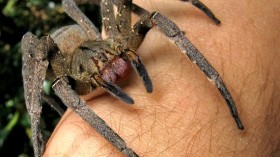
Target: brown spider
76	55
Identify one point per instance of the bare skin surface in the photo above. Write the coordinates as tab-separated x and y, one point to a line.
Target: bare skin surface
185	115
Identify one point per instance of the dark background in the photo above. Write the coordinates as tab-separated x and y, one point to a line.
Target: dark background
17	17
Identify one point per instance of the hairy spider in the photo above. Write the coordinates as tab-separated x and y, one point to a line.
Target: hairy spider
76	55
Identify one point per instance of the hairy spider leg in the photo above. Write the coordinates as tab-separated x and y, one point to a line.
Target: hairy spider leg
123	16
72	100
108	18
34	69
172	31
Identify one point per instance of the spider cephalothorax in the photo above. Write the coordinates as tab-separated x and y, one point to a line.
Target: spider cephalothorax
78	53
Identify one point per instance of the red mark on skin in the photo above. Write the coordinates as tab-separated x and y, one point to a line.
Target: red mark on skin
116	71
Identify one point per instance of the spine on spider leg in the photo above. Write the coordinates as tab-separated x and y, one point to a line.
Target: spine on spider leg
72	100
171	30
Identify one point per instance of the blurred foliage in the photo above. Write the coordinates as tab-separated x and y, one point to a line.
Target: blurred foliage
16	18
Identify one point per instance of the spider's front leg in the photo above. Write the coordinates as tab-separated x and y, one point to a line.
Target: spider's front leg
172	31
34	68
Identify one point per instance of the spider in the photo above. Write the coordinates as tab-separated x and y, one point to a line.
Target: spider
77	60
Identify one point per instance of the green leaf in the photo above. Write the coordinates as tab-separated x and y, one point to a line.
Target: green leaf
5	132
10	9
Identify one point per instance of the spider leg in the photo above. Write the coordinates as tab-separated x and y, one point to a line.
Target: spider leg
108	18
72	100
172	31
204	9
34	69
121	24
71	8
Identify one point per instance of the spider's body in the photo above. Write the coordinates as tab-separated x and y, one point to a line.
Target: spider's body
80	66
78	52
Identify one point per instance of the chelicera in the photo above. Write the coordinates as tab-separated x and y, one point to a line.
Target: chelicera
76	55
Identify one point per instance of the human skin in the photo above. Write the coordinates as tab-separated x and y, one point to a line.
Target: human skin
186	115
